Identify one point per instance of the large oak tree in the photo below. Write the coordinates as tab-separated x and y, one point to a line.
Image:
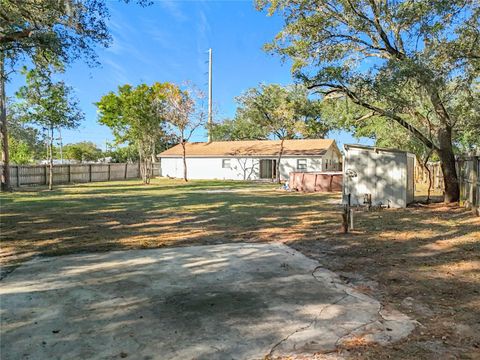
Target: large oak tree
415	63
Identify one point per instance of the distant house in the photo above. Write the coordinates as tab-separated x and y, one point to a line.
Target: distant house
250	160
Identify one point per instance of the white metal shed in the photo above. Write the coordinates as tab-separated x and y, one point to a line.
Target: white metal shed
385	175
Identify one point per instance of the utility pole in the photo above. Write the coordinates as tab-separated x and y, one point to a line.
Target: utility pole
210	123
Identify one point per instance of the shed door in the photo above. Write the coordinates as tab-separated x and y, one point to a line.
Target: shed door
390	175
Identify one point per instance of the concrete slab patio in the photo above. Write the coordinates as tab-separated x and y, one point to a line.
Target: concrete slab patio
235	301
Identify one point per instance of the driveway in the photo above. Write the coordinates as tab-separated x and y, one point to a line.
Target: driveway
235	301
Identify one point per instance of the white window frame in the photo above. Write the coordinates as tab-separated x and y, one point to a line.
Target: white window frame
303	166
226	164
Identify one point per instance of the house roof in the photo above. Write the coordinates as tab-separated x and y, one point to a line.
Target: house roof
310	147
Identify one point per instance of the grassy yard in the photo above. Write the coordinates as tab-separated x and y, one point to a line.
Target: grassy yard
423	261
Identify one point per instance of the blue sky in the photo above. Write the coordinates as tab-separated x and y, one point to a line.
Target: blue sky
168	41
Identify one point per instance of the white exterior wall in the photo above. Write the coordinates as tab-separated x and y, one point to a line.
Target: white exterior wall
333	160
240	168
382	174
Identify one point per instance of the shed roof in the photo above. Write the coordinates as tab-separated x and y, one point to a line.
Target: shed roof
307	147
374	148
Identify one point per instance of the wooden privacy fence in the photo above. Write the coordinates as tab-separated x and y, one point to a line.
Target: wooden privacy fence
28	175
421	174
468	178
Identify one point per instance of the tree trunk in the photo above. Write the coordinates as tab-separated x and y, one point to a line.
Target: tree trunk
141	165
5	176
447	162
184	161
50	155
280	153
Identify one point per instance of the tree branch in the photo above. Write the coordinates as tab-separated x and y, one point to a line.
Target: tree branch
379	112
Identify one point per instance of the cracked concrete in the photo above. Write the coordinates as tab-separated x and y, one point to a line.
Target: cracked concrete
235	301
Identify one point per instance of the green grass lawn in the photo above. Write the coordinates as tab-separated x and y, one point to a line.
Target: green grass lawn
126	215
430	254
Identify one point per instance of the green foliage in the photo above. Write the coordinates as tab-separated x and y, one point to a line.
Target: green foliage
53	32
239	128
412	62
25	142
285	112
20	152
123	154
48	104
273	108
82	151
136	116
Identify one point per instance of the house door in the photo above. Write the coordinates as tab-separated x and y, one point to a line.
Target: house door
268	169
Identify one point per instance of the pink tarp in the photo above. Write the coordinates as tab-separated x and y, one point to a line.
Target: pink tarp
316	181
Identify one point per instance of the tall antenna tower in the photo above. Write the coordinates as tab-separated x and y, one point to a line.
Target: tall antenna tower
210	121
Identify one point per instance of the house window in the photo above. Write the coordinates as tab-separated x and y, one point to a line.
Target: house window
226	163
301	164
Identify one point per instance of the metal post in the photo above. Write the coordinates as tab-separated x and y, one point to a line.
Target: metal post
210	122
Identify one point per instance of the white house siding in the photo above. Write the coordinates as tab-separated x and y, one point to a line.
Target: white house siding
246	168
383	174
331	160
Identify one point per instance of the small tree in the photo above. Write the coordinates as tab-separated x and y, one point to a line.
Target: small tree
275	109
184	113
24	141
50	105
136	117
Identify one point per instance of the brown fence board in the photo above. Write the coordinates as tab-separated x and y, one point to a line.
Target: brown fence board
468	178
28	175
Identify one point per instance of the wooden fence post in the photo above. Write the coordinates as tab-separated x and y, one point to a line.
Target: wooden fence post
18	176
69	173
460	182
126	170
45	174
108	171
474	186
89	172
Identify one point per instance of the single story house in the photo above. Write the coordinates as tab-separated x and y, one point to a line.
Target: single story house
377	176
250	160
